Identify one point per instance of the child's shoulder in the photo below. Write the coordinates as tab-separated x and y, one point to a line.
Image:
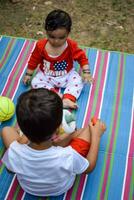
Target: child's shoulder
72	42
41	43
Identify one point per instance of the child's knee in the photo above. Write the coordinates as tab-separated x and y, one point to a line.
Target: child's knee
8	131
85	134
9	134
5	133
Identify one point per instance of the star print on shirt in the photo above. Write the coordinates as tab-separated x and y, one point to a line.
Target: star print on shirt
60	66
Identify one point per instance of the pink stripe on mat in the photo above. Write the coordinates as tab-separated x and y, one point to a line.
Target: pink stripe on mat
15	183
79	191
113	130
101	85
103	77
129	166
69	193
20	193
12	190
90	105
7	52
80	188
23	65
15	67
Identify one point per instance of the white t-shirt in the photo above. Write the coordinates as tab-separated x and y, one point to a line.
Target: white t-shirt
48	172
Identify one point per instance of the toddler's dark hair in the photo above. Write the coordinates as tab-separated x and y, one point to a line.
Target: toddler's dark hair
39	114
58	19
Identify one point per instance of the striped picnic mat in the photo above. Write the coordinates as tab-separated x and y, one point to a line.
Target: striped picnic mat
110	98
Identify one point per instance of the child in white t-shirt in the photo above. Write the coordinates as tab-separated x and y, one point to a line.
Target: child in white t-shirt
44	164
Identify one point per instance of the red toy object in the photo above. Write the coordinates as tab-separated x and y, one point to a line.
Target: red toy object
94	120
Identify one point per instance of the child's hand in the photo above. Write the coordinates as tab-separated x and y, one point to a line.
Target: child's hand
62	140
28	76
98	128
23	140
26	79
87	77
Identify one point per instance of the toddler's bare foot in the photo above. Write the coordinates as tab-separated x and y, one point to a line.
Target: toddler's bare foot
67	103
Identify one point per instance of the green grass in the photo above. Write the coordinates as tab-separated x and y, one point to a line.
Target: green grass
105	24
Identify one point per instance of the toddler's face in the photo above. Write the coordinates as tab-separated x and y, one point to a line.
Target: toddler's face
57	37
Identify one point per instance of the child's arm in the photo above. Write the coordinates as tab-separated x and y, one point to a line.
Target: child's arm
87	76
28	76
96	132
80	56
10	134
64	139
33	62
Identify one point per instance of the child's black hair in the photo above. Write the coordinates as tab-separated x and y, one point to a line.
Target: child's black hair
39	114
58	19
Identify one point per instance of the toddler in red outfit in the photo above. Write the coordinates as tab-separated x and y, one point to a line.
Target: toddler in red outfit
55	56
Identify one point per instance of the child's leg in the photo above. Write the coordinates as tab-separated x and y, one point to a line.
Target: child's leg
68	103
84	134
73	90
41	81
96	132
81	143
74	84
65	139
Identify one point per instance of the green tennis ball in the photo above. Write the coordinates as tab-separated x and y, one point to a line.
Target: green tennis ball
7	108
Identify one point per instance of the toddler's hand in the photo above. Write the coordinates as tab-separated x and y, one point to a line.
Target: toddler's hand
97	129
60	137
62	140
22	138
87	77
26	79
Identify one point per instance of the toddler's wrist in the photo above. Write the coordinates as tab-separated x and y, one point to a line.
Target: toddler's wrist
86	71
28	74
95	136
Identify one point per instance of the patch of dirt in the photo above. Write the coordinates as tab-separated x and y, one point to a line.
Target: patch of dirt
105	24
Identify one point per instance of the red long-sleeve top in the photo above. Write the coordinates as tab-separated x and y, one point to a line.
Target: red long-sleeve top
56	66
